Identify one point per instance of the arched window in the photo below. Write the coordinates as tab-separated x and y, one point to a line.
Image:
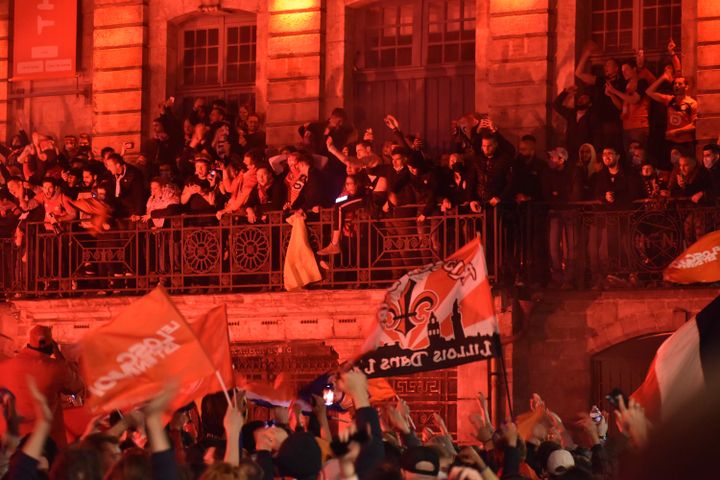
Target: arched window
217	60
416	60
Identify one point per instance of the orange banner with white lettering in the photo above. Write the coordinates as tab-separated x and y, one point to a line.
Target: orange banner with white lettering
128	360
700	263
44	39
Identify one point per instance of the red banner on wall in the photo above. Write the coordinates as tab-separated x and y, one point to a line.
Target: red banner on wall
44	39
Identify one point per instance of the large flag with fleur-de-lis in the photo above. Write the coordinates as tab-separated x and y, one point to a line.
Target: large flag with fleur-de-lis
437	316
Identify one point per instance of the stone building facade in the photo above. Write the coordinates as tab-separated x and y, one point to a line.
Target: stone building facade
295	60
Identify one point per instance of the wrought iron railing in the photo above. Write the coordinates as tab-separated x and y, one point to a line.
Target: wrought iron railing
194	254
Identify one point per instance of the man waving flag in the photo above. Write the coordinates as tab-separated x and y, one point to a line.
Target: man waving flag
437	316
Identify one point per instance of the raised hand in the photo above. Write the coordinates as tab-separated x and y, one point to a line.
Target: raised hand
632	422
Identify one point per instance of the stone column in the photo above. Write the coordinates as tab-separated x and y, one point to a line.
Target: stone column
517	54
294	67
707	65
4	66
120	49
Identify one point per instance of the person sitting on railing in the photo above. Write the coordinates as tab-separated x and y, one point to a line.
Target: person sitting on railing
164	201
459	187
351	200
269	195
198	198
240	196
312	194
129	187
57	205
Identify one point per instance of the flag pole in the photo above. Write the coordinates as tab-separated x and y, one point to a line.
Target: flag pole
225	390
501	360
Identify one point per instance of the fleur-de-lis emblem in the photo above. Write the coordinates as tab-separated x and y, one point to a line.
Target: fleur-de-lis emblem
407	313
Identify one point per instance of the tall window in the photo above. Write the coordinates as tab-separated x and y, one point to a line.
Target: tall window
416	33
623	26
217	60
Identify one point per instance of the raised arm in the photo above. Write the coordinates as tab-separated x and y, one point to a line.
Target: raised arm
652	89
580	72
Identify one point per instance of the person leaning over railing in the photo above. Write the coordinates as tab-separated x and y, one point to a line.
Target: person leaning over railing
692	181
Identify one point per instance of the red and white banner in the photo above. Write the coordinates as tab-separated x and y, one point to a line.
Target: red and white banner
44	39
437	316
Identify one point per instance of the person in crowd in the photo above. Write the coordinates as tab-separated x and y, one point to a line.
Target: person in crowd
311	196
579	118
607	124
633	103
711	155
682	110
526	171
129	186
42	359
615	187
692	182
561	185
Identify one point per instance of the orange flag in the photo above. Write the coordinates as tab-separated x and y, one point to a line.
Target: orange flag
211	330
128	360
699	263
380	390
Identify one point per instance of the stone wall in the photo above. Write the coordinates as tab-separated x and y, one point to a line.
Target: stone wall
552	356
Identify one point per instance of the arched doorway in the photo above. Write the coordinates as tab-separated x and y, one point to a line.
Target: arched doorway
623	366
414	59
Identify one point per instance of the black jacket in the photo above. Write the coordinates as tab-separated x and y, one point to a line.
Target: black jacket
577	131
132	197
312	194
626	185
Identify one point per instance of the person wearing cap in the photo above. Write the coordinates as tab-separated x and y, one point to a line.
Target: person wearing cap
41	358
559	462
420	463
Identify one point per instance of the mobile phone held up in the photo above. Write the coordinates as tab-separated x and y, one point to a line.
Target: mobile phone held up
614	396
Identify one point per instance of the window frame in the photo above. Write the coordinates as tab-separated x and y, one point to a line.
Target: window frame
637	30
420	42
222	88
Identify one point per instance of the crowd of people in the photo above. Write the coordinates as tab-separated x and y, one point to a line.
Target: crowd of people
373	440
630	135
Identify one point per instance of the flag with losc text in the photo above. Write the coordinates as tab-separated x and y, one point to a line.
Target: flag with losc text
700	263
435	317
128	360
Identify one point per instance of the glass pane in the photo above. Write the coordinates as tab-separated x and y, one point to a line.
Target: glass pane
467	52
232	74
245	53
434	54
626	39
213	36
389	35
611	4
627	4
213	56
232	34
189	39
453	26
405	34
189	58
232	54
598	21
246	35
404	56
598	5
452	53
611	21
649	19
212	75
387	58
626	19
469	25
201	38
469	9
649	40
390	16
201	57
371	59
188	76
200	76
664	16
406	14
